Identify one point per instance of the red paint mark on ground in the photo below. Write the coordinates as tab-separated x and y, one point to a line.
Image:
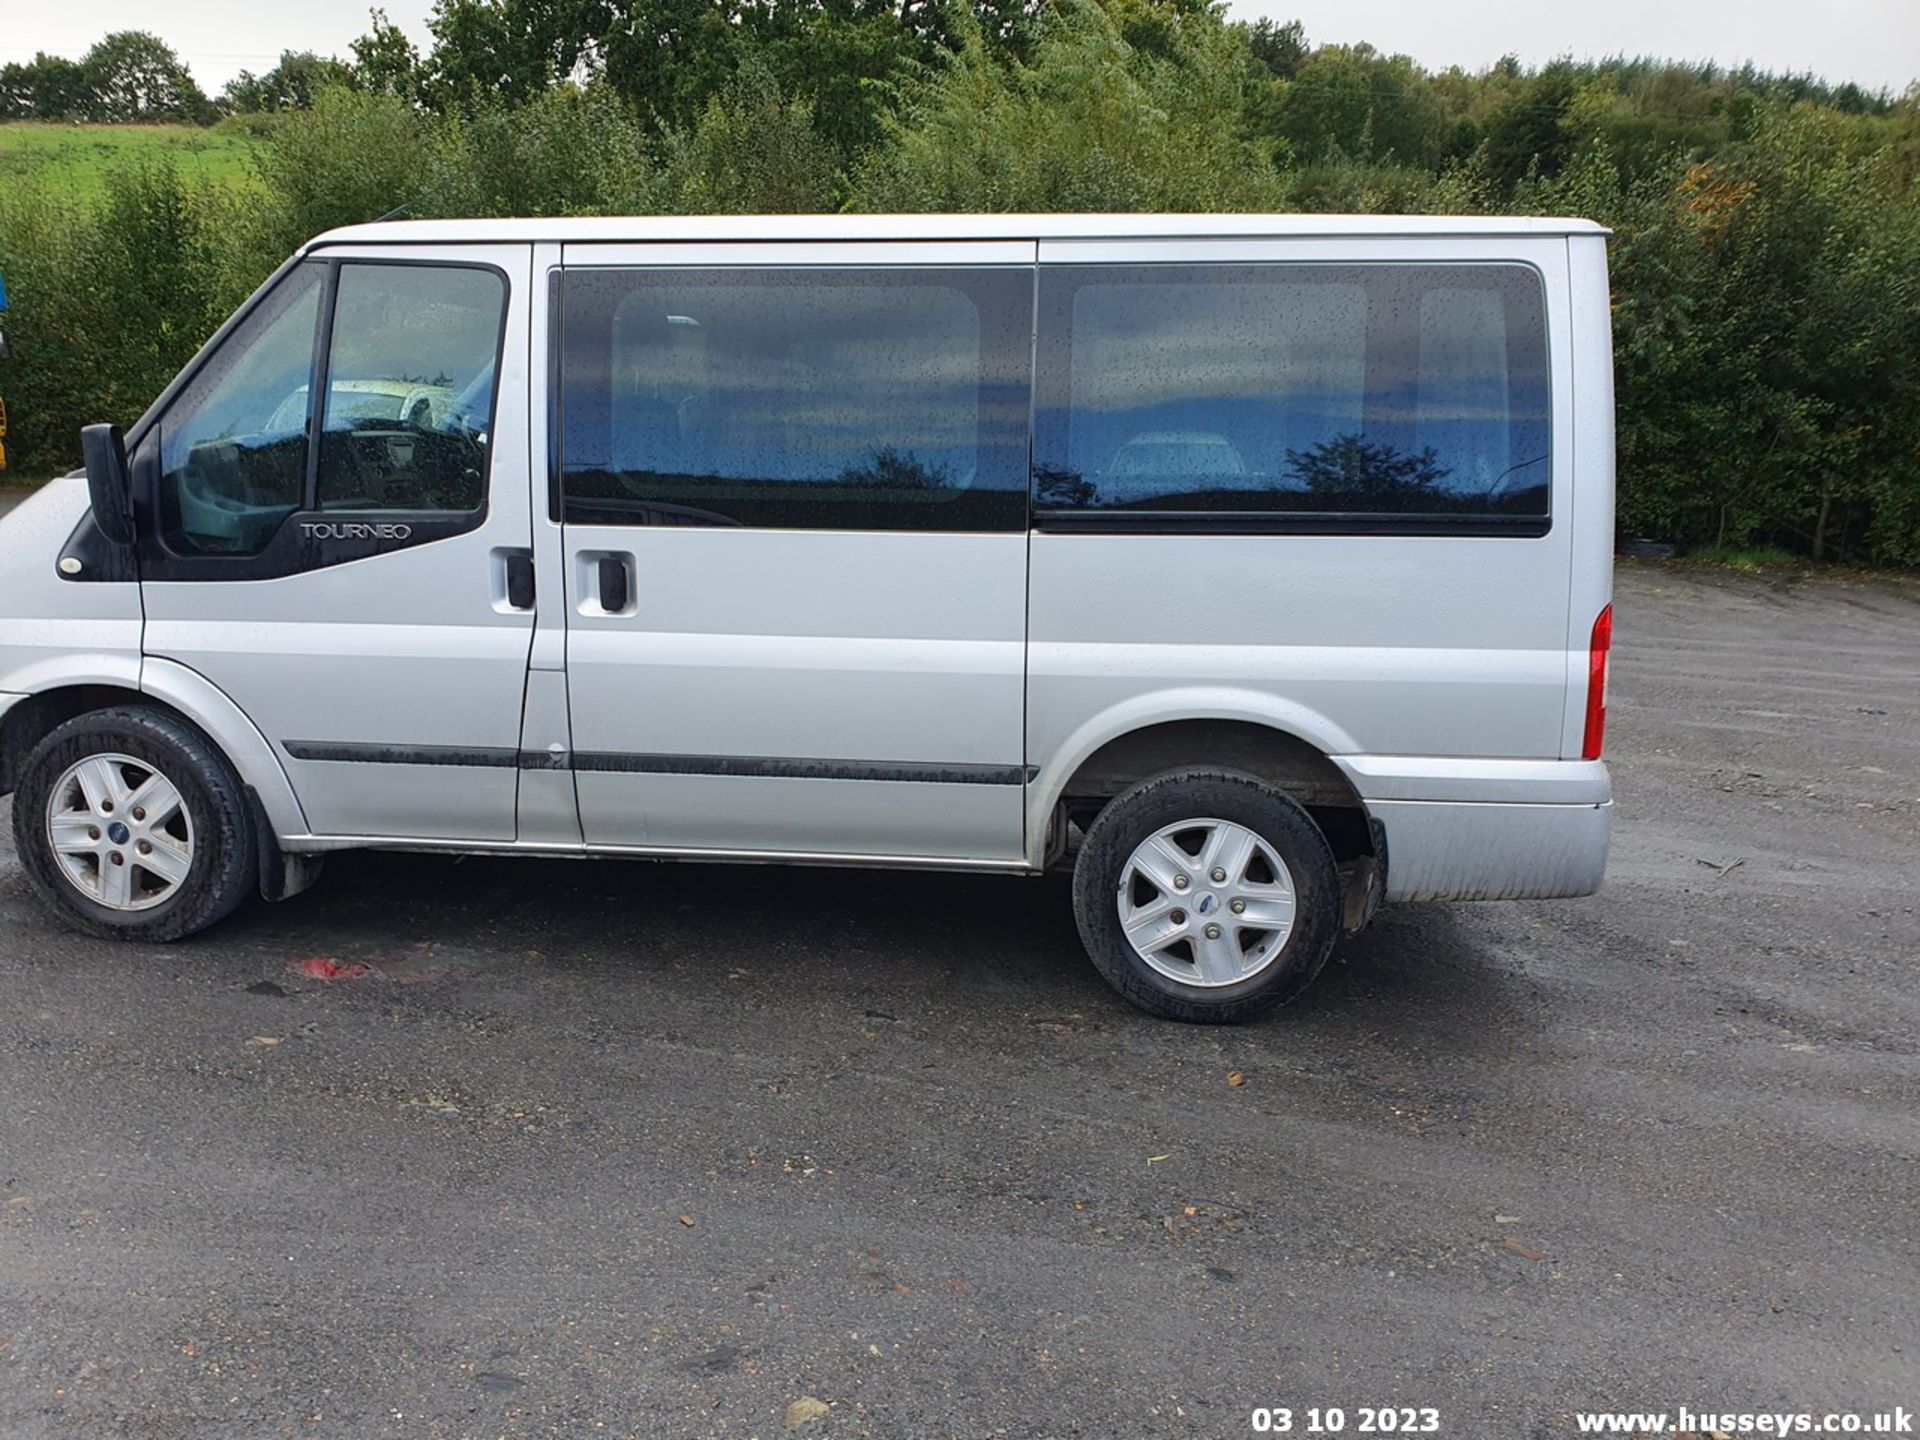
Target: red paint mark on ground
325	967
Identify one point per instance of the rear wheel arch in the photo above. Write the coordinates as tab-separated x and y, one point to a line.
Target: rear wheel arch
1261	750
1270	754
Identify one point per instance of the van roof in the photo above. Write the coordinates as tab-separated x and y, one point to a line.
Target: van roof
586	230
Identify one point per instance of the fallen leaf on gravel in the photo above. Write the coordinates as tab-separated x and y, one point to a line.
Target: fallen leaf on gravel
1236	1079
687	1220
803	1411
1507	1219
1191	1211
1524	1250
261	1042
1156	1159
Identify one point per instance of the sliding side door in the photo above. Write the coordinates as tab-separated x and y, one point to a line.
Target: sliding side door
793	486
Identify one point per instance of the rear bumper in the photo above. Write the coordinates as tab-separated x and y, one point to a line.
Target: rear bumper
1442	850
1488	829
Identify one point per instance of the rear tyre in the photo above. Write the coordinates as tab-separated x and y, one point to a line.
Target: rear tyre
133	826
1206	896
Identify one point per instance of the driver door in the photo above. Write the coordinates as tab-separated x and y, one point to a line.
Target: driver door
330	513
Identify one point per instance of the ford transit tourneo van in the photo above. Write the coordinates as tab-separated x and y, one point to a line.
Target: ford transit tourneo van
1257	567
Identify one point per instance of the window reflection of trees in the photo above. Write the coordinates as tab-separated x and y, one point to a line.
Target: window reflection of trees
892	469
1055	488
1349	472
1346	474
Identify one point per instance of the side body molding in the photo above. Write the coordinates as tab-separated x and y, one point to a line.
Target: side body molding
204	703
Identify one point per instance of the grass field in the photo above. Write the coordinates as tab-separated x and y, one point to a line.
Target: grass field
74	158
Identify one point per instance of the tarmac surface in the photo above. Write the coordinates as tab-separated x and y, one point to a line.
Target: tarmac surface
650	1150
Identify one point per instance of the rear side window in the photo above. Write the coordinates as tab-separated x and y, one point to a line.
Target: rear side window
800	399
1315	391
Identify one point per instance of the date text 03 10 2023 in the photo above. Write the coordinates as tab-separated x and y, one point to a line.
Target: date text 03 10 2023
1335	1420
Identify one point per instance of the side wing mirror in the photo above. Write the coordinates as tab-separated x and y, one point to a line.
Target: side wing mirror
108	481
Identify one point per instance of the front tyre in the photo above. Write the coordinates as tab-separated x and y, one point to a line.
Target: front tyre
133	826
1204	895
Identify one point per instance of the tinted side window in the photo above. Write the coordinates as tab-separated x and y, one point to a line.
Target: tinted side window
1293	389
811	399
233	445
410	382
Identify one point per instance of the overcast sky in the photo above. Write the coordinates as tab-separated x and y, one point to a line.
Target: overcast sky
1873	42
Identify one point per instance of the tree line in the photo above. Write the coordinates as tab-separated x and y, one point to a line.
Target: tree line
1765	262
128	76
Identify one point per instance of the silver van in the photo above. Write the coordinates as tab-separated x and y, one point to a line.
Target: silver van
1257	567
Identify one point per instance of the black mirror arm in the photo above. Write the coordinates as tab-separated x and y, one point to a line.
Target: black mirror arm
109	481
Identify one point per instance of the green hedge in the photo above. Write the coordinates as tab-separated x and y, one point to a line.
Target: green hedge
1766	284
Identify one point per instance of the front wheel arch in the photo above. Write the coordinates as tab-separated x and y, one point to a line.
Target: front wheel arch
25	725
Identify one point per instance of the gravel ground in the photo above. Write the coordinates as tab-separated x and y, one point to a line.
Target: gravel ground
656	1151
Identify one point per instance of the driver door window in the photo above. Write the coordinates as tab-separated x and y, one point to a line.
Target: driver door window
233	452
410	359
410	388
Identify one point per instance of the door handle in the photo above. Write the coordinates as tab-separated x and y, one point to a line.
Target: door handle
520	580
613	584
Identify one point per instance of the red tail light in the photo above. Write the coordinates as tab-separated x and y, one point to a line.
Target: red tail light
1597	686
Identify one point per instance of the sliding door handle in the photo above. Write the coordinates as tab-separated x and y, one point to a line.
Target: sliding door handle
615	589
602	582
